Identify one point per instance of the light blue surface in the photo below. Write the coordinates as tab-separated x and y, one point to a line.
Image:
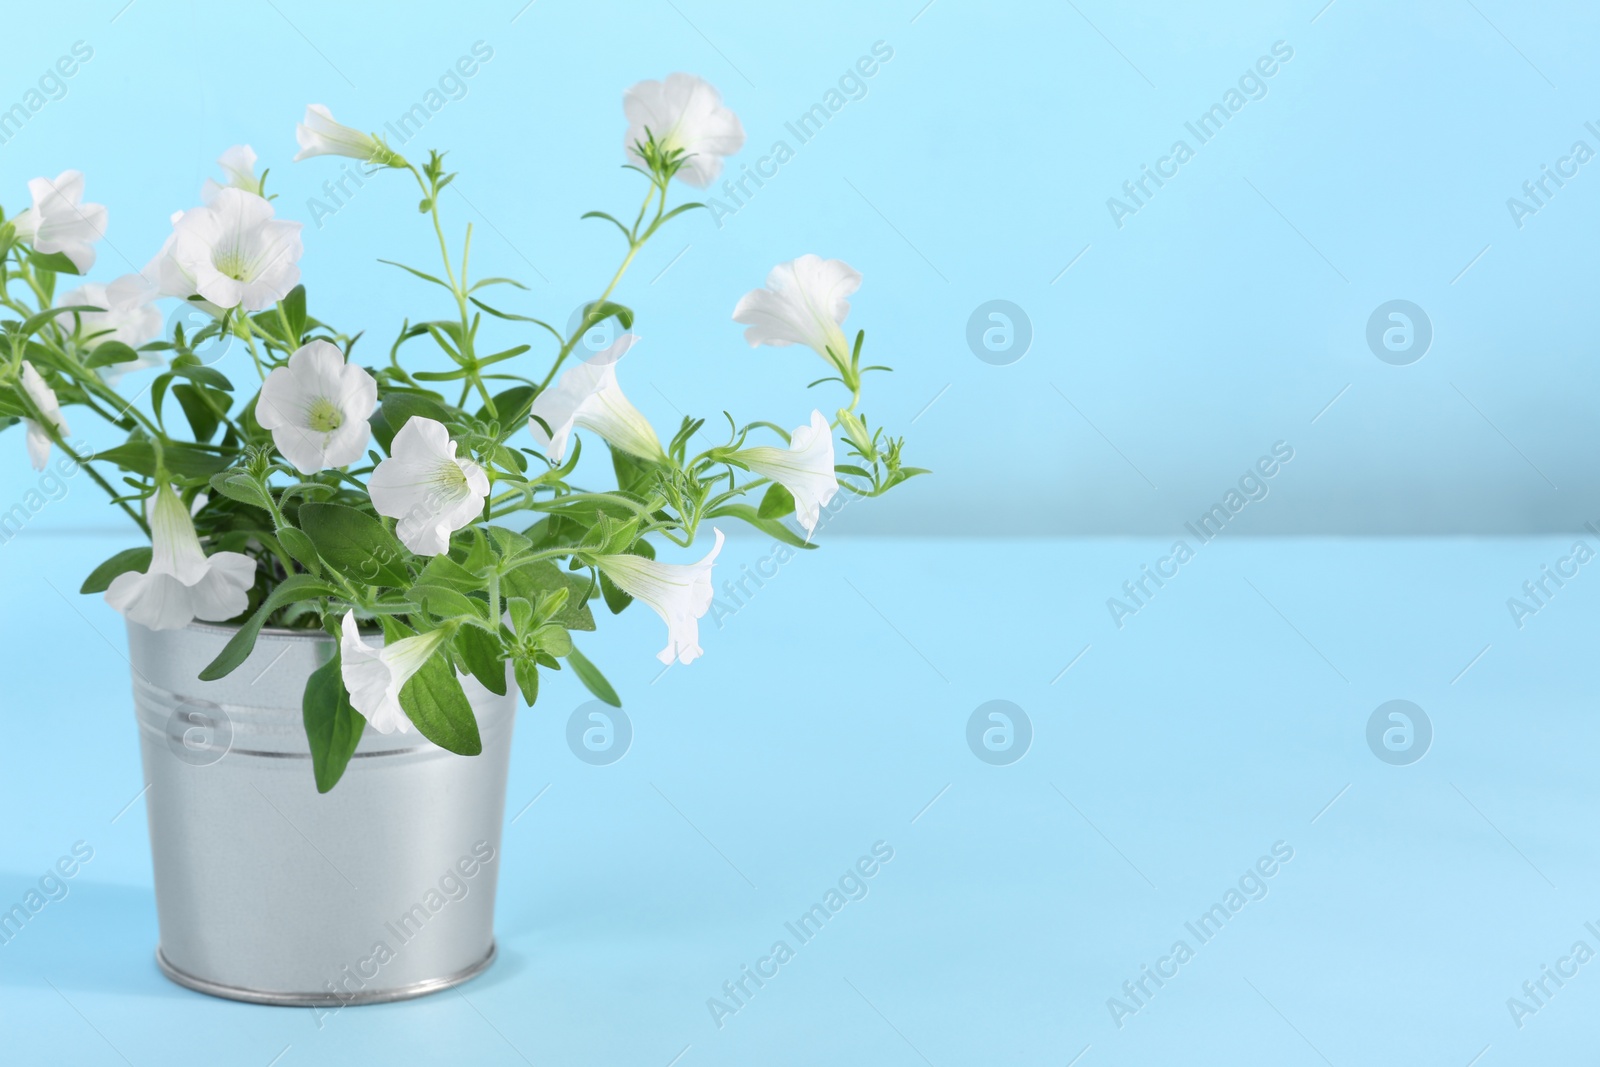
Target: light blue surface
1223	316
1173	754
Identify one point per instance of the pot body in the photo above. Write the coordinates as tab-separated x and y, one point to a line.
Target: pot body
268	891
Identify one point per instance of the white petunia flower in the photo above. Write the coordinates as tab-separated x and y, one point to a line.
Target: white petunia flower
374	675
805	468
317	408
44	398
425	486
232	252
59	220
239	165
588	395
165	274
805	303
678	592
183	583
683	112
129	316
319	135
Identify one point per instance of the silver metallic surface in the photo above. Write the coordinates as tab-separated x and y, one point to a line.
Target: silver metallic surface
381	889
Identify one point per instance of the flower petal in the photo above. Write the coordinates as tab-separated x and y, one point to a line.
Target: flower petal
369	681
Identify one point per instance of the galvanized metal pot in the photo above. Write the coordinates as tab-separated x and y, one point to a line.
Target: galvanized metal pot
270	892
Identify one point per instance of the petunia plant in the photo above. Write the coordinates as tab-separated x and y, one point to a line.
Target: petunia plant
431	521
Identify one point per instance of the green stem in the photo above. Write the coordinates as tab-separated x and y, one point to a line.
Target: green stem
635	243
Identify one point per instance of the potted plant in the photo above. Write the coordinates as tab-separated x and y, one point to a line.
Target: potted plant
354	567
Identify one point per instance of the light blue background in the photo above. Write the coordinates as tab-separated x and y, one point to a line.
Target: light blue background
831	710
977	167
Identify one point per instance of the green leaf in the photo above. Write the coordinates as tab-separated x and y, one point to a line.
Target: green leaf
54	261
413	270
527	674
445	602
442	570
204	375
480	654
500	357
294	589
554	639
399	408
512	405
777	503
521	612
183	461
355	544
480	559
333	726
35	322
767	526
240	487
382	432
602	215
129	559
513	317
202	420
634	475
437	706
510	543
675	212
297	544
530	579
484	282
108	352
294	309
615	598
592	679
600	311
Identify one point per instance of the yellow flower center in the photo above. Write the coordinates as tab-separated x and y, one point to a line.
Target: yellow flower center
233	264
324	416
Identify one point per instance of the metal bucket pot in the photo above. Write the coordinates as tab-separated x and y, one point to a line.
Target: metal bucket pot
269	892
